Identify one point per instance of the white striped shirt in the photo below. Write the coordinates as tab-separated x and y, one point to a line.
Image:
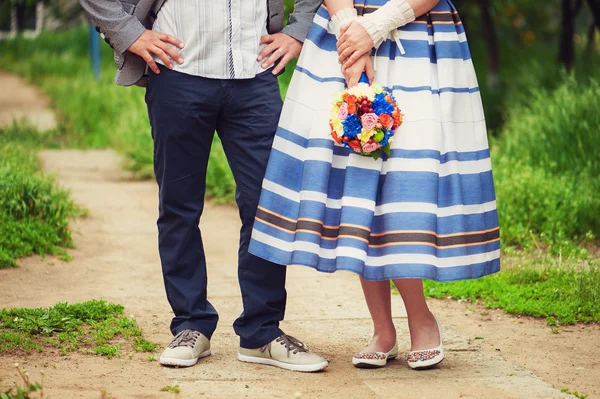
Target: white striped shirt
221	38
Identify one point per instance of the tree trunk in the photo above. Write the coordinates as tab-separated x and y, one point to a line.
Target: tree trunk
491	43
594	6
591	40
566	53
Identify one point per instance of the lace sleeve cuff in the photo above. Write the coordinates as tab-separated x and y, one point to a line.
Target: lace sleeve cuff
391	16
341	18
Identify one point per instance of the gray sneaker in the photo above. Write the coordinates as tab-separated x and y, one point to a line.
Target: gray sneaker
286	352
186	348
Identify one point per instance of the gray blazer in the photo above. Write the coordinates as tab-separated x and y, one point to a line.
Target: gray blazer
122	22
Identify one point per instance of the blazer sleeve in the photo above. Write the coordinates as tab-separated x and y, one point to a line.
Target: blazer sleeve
300	21
119	28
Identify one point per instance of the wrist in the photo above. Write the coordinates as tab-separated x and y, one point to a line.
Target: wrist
341	18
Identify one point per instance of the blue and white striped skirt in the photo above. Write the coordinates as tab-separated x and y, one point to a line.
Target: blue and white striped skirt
429	210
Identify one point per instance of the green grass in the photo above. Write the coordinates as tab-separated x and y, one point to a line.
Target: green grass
170	388
91	326
558	130
538	209
562	293
34	212
574	393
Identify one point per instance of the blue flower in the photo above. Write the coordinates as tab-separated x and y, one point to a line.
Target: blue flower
352	126
386	138
381	106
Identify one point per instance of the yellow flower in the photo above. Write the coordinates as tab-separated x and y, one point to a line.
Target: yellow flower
365	135
337	126
377	89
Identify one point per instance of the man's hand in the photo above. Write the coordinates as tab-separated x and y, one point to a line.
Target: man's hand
279	47
352	73
152	42
353	43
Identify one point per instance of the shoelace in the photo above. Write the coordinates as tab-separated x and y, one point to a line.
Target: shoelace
292	344
185	338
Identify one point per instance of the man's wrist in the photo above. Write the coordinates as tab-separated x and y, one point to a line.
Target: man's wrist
122	42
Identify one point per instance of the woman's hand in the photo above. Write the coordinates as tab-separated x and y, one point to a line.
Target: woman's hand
352	72
353	43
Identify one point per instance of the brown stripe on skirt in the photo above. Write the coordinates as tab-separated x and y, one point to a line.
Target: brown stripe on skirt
380	239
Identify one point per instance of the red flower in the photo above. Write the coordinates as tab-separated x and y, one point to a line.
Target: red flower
390	100
397	118
355	144
351	101
385	120
336	137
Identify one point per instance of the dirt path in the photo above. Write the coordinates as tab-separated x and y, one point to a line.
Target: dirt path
116	259
19	101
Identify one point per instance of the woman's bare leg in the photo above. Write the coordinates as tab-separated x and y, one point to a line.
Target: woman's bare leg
378	297
423	329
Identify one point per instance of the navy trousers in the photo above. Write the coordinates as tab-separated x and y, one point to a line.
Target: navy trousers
185	111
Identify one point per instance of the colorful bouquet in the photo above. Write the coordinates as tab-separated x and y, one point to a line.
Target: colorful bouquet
365	119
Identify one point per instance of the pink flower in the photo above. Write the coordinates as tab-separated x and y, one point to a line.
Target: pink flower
369	121
370	147
343	112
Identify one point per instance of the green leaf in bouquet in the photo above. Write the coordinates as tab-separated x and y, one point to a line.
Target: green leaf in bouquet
387	150
375	155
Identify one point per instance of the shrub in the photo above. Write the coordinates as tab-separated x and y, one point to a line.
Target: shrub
547	168
533	202
34	213
559	130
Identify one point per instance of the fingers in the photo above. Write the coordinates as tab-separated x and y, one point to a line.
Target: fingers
266	39
343	43
170	39
277	54
344	54
174	55
352	59
353	81
266	51
345	27
150	61
370	71
167	61
282	63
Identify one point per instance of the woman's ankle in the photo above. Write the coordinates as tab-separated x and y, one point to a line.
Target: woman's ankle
384	339
424	332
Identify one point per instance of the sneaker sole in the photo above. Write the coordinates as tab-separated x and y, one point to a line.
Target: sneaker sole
306	368
169	361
